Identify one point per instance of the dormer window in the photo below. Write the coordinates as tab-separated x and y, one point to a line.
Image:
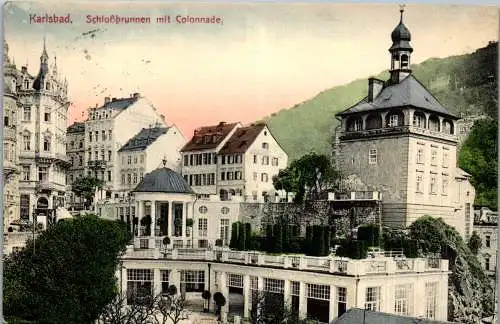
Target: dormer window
206	139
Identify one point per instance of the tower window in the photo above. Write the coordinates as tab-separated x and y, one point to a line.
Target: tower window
357	125
404	61
393	120
372	156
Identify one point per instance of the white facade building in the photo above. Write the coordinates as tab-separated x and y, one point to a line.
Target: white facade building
320	288
231	160
108	128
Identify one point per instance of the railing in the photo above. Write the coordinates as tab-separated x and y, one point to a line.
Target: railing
395	130
97	163
331	264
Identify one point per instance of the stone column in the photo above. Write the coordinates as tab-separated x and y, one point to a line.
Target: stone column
184	217
427	115
302	300
246	296
225	291
382	116
363	119
170	217
286	292
153	218
175	277
140	215
156	282
333	304
441	123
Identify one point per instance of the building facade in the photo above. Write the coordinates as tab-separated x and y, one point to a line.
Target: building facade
11	168
401	141
486	226
40	137
320	288
75	150
231	160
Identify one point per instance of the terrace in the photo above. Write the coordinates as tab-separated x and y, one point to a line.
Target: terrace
379	263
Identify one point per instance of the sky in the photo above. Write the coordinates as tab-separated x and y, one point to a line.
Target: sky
262	58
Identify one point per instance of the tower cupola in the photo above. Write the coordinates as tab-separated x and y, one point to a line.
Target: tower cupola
400	51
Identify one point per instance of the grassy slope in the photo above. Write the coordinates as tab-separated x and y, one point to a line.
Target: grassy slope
309	126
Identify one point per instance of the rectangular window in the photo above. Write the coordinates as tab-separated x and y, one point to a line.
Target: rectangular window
109	134
109	175
46	117
129	159
103	135
129	178
186	160
265	145
275	161
434	154
224	231
26	172
164	276
264	177
265	160
46	144
255	159
372	299
487	263
202	244
135	159
487	240
431	299
27	142
420	155
433	184
139	286
418	121
445	187
25	207
321	292
372	156
393	120
43	174
420	182
223	160
358	125
202	227
402	299
27	114
341	300
102	155
192	281
123	179
109	155
223	176
445	159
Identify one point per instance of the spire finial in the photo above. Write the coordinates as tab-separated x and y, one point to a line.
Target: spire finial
401	10
164	161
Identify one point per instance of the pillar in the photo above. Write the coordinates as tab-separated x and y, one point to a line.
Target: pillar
170	218
302	300
184	218
156	282
246	296
175	277
427	115
441	123
153	218
286	292
333	304
382	116
225	291
140	215
363	119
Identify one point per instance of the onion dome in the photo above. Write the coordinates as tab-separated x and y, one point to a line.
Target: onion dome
401	37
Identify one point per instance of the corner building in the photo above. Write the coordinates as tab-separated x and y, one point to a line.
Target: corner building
401	141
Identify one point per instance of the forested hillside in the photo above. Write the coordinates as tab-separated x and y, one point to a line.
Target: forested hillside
465	84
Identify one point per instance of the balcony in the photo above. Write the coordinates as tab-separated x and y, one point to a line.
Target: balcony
380	265
49	186
396	130
62	158
97	164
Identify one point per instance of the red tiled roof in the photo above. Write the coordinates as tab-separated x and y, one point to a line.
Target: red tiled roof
208	137
242	139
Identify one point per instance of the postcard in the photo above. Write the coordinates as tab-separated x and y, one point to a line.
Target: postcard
261	162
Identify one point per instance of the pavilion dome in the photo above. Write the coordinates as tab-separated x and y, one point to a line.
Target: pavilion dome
164	180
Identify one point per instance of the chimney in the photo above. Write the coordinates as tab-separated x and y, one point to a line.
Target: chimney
375	86
162	117
137	95
222	123
24	69
113	100
106	100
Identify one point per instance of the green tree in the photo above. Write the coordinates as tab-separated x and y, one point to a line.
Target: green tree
86	187
475	243
308	177
479	158
70	277
233	242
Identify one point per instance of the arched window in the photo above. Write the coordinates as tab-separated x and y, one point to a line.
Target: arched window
405	62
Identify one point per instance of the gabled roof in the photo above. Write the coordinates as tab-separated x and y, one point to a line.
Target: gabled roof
208	137
120	103
408	92
242	139
143	139
76	127
361	316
